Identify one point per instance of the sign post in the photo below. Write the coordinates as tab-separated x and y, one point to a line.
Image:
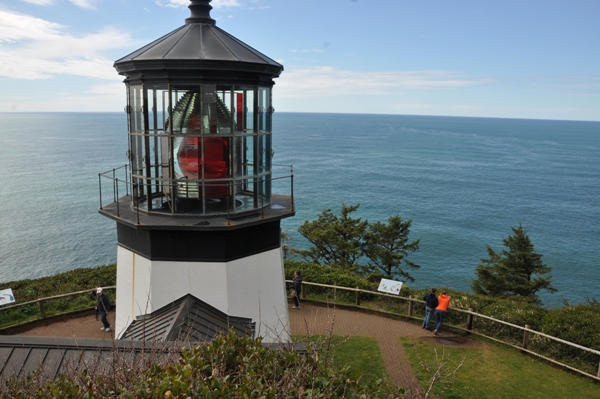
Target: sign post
390	286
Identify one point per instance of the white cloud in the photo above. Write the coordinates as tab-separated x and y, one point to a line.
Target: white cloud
84	3
39	2
15	26
329	81
185	3
225	3
32	48
314	50
89	4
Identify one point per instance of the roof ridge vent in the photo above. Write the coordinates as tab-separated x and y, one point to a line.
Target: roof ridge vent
200	13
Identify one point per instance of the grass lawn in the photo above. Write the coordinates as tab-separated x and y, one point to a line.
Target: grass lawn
360	354
497	372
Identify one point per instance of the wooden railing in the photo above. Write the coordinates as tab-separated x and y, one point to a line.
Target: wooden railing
526	340
42	301
469	319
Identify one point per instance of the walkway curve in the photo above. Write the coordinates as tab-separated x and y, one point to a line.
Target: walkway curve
310	319
318	320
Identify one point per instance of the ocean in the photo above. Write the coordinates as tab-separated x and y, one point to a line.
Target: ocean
462	181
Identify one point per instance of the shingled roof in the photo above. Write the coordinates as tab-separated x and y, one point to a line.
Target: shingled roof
21	355
186	319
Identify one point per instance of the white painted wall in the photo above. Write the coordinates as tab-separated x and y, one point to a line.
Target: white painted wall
252	287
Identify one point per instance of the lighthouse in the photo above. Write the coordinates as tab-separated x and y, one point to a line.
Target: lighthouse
195	207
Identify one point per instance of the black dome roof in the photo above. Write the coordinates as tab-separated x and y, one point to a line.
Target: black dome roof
198	50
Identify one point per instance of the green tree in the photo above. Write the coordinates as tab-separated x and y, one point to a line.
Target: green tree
387	246
516	271
337	240
356	245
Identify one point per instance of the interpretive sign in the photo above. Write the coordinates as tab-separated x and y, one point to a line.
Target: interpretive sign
6	296
390	286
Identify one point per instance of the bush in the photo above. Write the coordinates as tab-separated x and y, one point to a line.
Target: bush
577	324
326	275
63	283
314	273
230	366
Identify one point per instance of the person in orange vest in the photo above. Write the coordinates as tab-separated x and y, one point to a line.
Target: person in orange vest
440	311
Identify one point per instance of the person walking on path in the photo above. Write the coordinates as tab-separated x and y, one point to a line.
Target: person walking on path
440	311
296	289
431	302
103	306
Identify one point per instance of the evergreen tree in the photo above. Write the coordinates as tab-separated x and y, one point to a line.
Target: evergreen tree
337	240
347	242
516	271
387	247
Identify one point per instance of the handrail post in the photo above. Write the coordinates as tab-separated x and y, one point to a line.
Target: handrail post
229	201
525	337
126	179
116	185
137	203
115	192
357	296
334	292
470	320
100	188
42	311
410	306
303	289
292	187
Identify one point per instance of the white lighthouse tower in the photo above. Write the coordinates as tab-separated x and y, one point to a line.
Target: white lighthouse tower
198	215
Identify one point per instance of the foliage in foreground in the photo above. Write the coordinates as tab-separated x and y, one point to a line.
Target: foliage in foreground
230	367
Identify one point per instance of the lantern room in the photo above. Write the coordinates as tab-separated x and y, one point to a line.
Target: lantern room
199	112
200	148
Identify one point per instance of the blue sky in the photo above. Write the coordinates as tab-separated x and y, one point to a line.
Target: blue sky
510	59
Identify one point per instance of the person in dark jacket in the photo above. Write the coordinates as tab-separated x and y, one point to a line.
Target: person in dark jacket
103	306
431	303
296	289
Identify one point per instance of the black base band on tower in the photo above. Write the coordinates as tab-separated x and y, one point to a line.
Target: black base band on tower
200	246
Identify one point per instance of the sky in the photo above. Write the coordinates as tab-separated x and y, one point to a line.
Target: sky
535	59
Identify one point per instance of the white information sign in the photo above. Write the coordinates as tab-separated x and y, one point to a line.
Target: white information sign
6	296
390	286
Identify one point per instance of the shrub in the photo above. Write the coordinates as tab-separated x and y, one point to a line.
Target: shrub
577	324
326	275
230	366
314	273
63	283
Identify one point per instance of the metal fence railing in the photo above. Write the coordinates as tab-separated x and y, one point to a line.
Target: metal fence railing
274	189
563	353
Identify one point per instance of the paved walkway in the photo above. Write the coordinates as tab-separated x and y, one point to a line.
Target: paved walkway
309	319
319	320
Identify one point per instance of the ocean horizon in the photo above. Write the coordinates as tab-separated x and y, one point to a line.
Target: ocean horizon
463	181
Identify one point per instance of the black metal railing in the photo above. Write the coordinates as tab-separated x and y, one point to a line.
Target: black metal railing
118	183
